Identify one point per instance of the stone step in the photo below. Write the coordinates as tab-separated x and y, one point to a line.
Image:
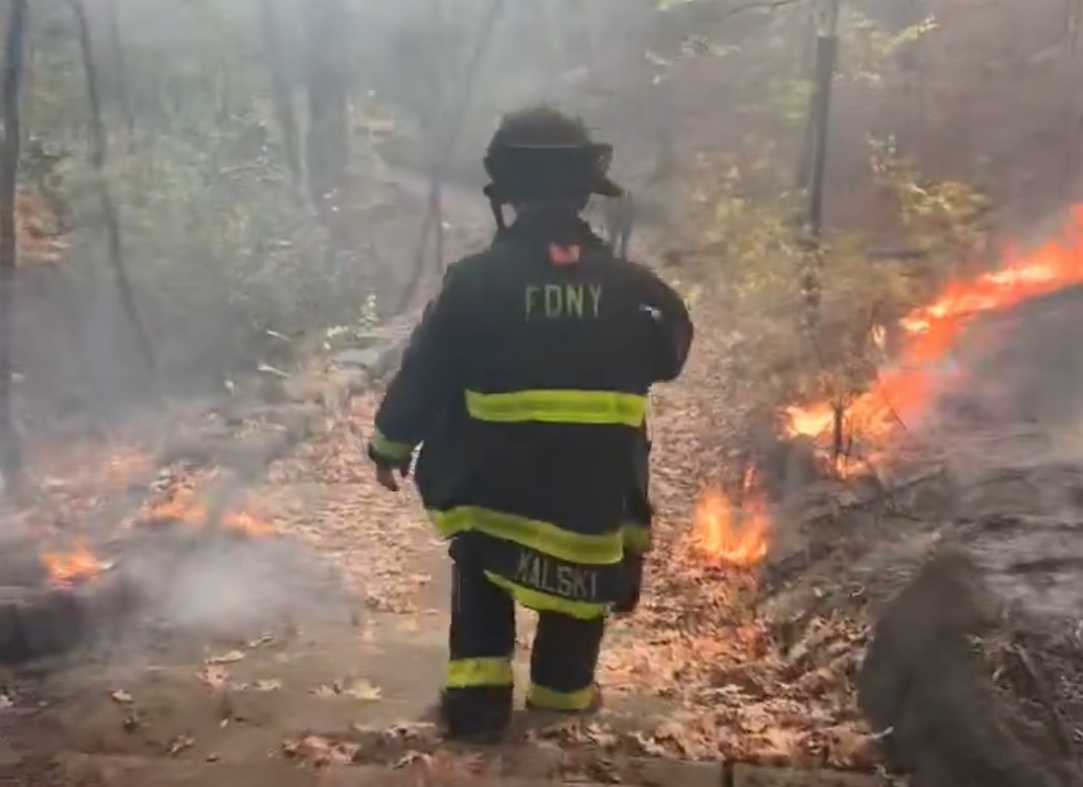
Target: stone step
760	776
121	771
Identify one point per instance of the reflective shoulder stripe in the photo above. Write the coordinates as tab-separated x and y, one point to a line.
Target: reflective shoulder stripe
558	407
389	448
544	537
470	673
637	538
543	602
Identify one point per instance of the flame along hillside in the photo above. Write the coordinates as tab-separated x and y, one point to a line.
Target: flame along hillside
738	535
66	568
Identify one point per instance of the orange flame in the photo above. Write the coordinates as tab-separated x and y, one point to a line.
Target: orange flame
732	535
930	332
250	525
183	507
68	568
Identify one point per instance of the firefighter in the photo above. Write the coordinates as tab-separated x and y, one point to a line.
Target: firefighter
526	383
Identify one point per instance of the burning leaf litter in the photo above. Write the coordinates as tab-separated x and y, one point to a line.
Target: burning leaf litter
66	569
698	637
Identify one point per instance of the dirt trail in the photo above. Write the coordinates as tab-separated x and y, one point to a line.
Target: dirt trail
317	699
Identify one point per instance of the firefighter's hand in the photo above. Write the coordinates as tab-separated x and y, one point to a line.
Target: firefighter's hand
386	468
385	476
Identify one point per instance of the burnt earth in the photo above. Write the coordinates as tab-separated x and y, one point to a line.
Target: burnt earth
963	686
45	621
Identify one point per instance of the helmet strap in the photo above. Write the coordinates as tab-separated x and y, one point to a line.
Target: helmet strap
496	205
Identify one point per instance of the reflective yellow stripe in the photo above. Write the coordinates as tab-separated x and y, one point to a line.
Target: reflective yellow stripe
468	673
558	407
544	537
543	602
547	699
637	538
388	448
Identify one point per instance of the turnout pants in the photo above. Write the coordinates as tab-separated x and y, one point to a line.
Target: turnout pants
478	692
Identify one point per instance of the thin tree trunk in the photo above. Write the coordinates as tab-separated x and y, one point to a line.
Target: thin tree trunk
437	115
449	140
120	75
811	280
10	441
98	157
328	138
808	74
280	89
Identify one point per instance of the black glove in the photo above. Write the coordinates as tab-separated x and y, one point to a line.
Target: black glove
381	461
386	469
633	584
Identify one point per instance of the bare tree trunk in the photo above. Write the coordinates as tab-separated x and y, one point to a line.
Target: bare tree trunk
1073	122
10	441
280	88
808	73
449	140
328	138
98	157
436	122
120	76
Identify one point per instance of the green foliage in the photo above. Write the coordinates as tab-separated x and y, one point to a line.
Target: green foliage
869	48
218	244
754	248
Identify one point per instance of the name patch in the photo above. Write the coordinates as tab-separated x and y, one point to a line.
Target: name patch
538	572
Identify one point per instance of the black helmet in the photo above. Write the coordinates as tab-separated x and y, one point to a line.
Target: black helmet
542	154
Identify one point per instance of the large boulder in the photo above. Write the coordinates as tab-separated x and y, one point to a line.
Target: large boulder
967	677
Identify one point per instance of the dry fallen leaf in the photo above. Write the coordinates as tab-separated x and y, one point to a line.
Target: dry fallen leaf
320	750
231	657
268	684
849	748
214	675
412	758
180	744
362	690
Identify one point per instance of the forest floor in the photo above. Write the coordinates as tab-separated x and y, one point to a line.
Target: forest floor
282	619
308	647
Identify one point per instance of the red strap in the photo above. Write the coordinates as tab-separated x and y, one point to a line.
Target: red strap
563	255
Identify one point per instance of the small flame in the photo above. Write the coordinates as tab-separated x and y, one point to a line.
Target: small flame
180	507
250	525
68	568
183	507
732	535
